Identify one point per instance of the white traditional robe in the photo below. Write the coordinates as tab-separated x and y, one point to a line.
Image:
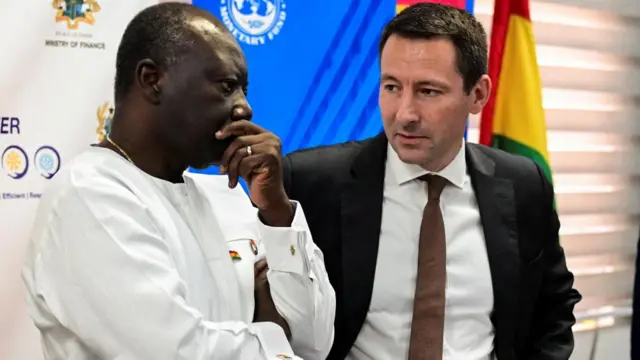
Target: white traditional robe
122	265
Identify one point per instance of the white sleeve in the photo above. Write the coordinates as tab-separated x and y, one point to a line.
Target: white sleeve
108	276
300	286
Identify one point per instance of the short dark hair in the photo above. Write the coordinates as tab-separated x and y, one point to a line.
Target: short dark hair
429	21
160	33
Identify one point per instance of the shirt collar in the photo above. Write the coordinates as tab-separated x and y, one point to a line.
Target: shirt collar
402	172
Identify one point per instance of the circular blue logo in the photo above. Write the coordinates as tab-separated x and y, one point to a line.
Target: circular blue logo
254	22
15	162
47	161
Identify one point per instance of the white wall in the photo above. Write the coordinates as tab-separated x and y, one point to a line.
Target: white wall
589	57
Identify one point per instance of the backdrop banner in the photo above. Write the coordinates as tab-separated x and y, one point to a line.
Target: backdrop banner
313	65
56	79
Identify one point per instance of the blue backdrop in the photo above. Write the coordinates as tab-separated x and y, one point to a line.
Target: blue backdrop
313	65
316	81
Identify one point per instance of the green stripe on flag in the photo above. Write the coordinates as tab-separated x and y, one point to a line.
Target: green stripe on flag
511	146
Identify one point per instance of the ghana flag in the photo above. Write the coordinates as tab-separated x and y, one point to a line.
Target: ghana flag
513	119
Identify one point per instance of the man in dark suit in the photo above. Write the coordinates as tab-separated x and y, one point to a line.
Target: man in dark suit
436	248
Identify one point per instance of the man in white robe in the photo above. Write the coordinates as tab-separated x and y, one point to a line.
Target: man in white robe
131	257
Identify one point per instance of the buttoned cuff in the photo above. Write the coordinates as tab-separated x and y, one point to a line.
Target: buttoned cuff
273	341
286	247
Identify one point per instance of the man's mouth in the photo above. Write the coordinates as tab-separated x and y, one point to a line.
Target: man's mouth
409	139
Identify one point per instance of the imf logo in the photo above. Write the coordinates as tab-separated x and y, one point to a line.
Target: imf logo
253	22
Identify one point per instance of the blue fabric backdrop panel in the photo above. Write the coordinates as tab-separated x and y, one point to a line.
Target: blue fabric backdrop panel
313	65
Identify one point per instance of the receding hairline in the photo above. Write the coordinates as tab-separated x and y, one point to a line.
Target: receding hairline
202	17
201	22
166	33
209	28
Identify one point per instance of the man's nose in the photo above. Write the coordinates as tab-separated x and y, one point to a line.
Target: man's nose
242	111
407	111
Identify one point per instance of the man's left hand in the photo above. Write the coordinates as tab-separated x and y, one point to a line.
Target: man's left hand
265	309
255	155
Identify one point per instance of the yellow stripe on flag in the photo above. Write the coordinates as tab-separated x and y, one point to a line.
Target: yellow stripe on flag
399	8
518	114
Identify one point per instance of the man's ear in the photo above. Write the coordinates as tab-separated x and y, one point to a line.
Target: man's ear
480	94
148	78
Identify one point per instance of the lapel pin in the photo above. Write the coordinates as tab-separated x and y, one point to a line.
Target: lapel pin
234	255
292	250
254	247
283	356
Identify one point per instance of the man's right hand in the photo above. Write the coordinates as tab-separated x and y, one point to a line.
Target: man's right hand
265	309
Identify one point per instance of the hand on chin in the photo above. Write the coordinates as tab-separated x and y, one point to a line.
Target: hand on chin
255	155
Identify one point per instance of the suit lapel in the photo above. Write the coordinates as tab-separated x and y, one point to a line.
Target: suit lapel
361	217
497	205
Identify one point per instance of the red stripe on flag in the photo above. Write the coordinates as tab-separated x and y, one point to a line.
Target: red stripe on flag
521	7
455	3
501	14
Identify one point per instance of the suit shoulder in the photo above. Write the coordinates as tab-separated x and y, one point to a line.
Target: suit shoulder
507	164
324	159
95	173
534	192
85	171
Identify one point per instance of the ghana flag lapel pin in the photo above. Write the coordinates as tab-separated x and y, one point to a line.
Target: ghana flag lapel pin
234	255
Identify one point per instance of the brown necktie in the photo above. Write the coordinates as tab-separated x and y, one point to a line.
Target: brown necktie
427	327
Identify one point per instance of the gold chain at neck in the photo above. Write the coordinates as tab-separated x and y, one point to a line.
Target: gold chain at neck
119	149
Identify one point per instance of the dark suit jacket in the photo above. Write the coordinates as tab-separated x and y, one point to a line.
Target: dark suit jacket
340	188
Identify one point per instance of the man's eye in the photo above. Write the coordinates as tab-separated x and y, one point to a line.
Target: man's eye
429	92
390	88
227	87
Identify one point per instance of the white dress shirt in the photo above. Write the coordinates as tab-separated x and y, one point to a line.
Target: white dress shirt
468	333
122	265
